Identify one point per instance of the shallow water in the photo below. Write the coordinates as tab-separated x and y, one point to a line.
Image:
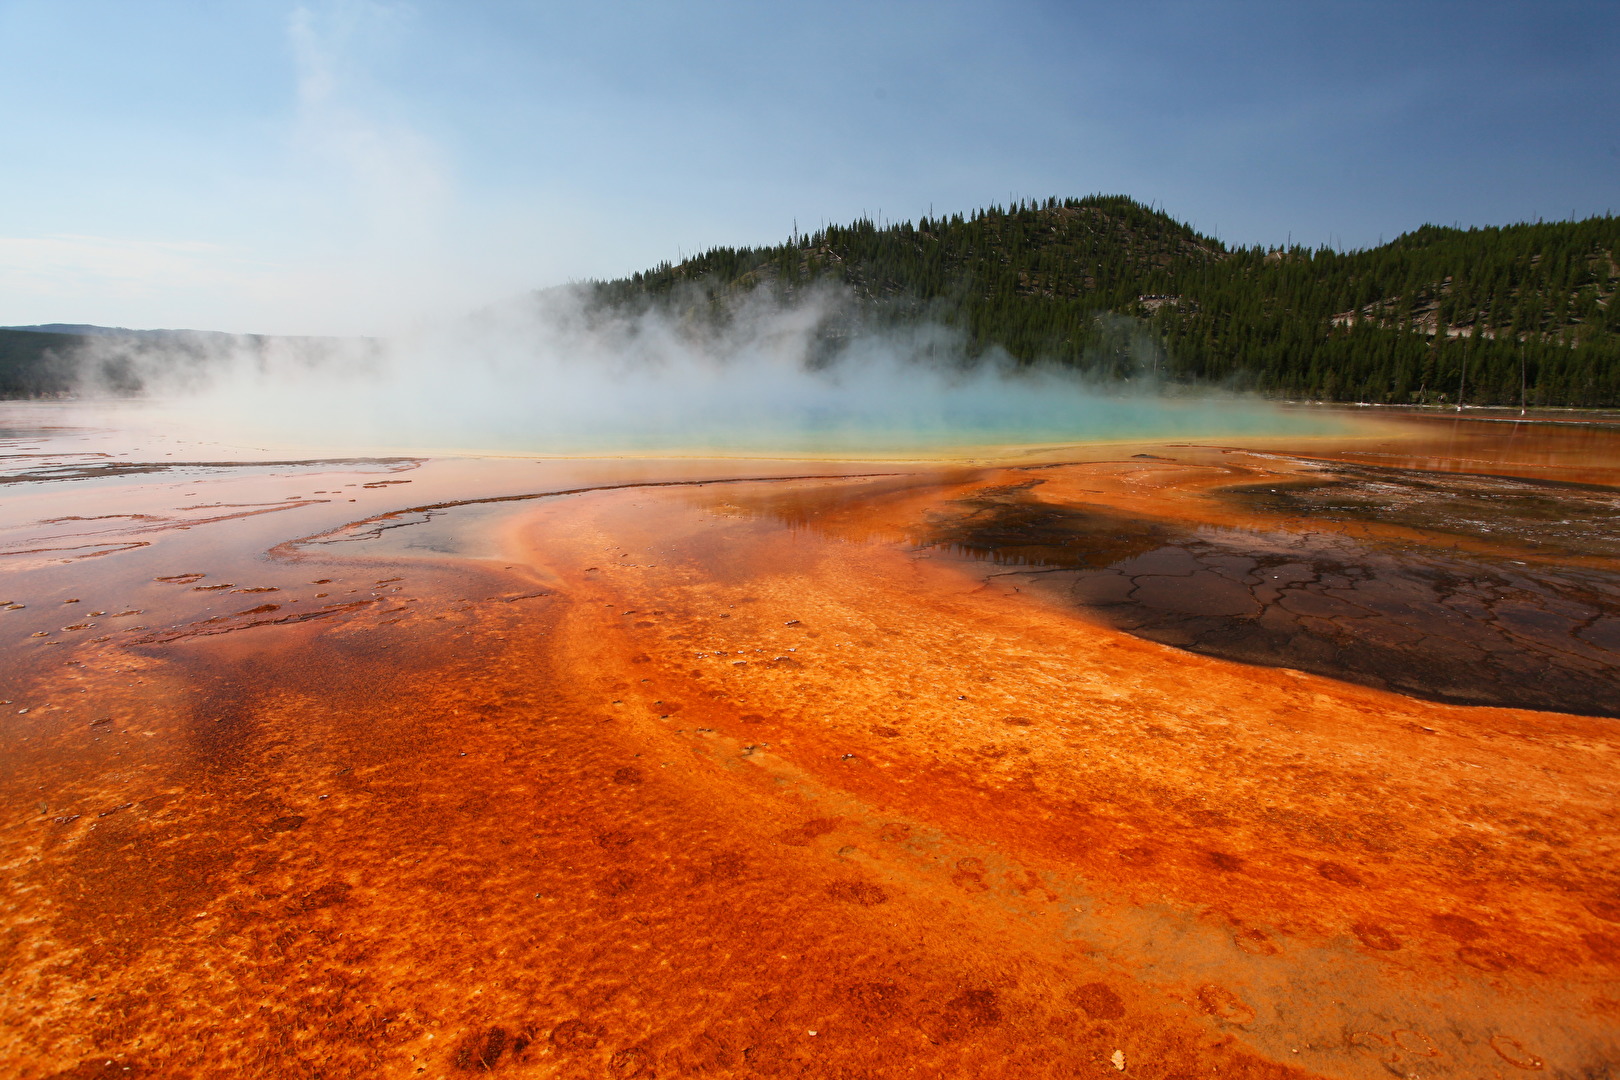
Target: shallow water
315	764
985	414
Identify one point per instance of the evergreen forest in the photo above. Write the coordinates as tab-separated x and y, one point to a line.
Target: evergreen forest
1487	316
36	365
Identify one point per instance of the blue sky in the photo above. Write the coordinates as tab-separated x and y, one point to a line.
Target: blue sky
351	166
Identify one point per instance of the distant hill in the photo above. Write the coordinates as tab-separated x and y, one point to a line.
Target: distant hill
57	360
90	330
76	329
1100	282
37	364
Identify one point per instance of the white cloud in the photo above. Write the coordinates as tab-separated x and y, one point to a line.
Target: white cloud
387	181
359	231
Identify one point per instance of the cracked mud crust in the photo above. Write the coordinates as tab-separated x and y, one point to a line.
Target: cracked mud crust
1398	612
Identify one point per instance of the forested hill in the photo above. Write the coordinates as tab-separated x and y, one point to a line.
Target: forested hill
1416	320
37	364
61	360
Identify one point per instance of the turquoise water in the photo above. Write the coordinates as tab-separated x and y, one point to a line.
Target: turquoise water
746	412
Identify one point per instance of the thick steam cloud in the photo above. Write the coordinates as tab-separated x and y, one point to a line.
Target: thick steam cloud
559	373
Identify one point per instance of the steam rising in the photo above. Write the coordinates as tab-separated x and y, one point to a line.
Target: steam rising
558	374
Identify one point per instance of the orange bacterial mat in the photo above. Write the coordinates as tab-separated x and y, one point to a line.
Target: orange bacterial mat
1172	762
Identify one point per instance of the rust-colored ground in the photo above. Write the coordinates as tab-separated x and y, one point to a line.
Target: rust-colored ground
898	771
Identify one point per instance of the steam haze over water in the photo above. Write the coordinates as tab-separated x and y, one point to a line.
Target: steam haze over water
551	376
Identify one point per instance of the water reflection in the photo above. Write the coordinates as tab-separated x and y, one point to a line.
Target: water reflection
1562	450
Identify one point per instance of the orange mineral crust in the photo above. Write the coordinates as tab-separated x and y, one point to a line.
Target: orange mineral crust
1176	762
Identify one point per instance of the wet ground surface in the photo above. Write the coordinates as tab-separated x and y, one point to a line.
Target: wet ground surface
47	468
1535	515
1465	627
718	770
